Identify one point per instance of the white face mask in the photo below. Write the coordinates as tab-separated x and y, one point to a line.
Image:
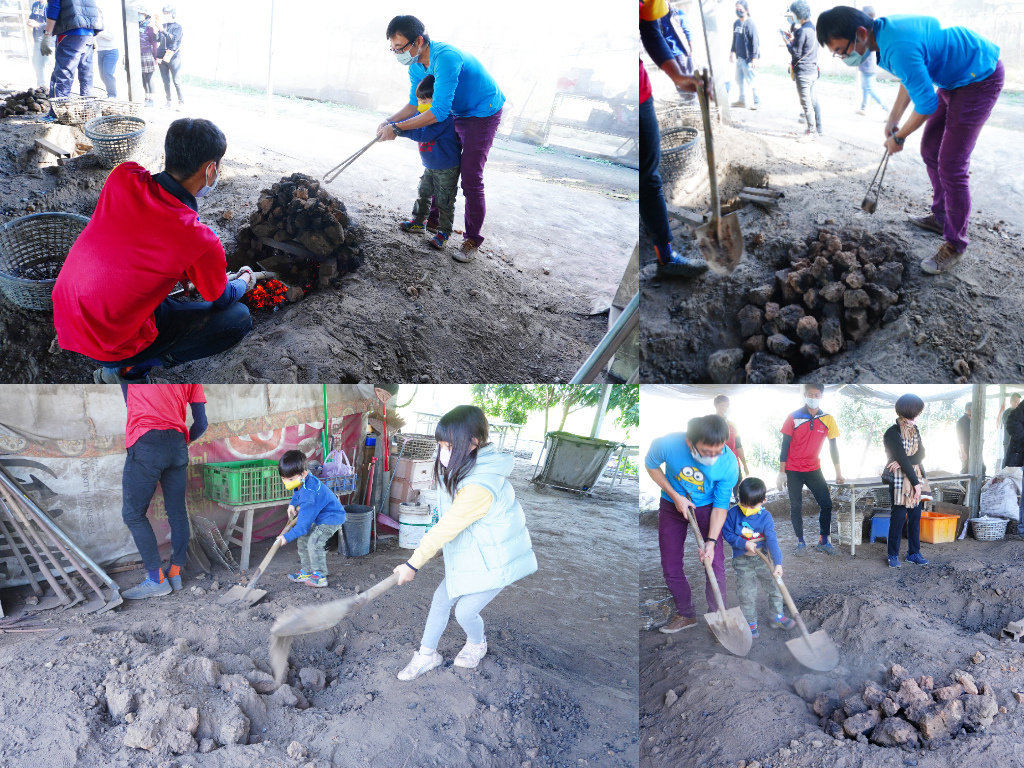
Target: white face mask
812	402
444	455
209	187
405	58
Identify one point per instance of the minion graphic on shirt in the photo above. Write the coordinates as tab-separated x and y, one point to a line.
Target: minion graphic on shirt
693	477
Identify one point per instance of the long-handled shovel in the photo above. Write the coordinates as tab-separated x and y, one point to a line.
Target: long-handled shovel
315	618
720	240
332	174
248	595
729	626
815	651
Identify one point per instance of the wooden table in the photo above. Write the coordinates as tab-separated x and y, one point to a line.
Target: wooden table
241	533
861	487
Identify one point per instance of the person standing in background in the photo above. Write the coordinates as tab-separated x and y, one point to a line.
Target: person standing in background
148	26
722	406
680	47
75	24
803	48
107	49
868	72
40	61
963	437
746	50
168	55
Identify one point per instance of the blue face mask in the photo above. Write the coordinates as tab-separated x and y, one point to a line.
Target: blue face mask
855	59
405	58
208	188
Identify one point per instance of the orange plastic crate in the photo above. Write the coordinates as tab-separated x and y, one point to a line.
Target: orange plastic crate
938	527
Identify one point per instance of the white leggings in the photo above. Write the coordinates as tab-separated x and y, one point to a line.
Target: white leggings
467	613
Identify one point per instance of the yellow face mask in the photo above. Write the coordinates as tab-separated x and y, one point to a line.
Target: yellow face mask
748	511
421	108
292	484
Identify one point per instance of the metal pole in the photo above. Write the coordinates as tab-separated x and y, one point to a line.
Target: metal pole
1000	429
976	460
602	408
270	63
609	345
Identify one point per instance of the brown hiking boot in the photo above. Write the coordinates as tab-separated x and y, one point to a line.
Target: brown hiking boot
678	623
926	222
944	260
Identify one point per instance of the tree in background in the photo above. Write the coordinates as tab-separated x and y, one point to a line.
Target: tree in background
515	402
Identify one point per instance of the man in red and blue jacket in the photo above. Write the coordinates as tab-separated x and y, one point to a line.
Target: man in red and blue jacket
653	212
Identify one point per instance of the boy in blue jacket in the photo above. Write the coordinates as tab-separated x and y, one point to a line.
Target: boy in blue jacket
441	153
319	514
748	525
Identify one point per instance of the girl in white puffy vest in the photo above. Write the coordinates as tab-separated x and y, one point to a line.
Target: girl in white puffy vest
482	531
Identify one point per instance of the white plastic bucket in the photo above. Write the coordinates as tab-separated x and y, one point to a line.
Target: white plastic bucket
428	496
414	520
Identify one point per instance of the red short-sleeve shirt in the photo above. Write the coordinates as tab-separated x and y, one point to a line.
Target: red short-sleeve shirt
159	406
140	241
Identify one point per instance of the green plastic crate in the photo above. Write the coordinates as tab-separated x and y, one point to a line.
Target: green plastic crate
244	482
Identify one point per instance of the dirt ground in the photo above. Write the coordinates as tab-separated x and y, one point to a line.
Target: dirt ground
972	313
932	620
558	687
532	306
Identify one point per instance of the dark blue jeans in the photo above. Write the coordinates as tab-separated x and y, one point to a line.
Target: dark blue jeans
191	330
73	54
159	456
108	64
912	517
653	213
815	481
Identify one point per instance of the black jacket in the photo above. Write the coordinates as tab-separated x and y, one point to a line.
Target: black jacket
744	40
804	50
1015	429
78	14
893	442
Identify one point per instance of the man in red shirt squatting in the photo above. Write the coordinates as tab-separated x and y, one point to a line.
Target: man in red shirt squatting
803	434
157	441
111	301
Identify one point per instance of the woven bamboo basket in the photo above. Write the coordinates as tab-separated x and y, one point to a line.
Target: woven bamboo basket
32	252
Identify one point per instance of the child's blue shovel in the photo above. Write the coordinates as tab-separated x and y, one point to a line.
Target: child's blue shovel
815	651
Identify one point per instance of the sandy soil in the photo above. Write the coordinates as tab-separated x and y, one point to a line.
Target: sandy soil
531	308
971	313
558	688
931	620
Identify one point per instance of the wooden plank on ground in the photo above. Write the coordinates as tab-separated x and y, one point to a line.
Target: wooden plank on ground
53	149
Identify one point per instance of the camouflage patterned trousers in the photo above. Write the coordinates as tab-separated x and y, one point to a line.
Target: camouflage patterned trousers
441	185
749	570
313	547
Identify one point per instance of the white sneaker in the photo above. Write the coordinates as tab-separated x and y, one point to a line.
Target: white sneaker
471	655
419	665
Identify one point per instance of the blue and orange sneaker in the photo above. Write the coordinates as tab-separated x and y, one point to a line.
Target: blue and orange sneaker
316	579
783	622
439	240
411	226
302	576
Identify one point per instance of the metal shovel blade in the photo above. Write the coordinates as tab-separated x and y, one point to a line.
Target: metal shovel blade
731	630
870	203
815	651
721	243
237	593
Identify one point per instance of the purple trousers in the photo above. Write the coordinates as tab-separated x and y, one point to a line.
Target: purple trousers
946	145
672	528
477	135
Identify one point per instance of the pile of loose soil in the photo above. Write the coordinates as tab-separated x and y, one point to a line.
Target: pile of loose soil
900	632
832	289
182	679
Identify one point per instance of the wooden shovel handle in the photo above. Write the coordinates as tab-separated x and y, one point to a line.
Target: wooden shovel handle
277	546
709	145
785	594
707	566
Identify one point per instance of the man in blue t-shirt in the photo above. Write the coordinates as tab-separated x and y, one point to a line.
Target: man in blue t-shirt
698	476
966	69
463	88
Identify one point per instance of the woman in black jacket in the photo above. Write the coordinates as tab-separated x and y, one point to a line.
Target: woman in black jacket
904	454
803	48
